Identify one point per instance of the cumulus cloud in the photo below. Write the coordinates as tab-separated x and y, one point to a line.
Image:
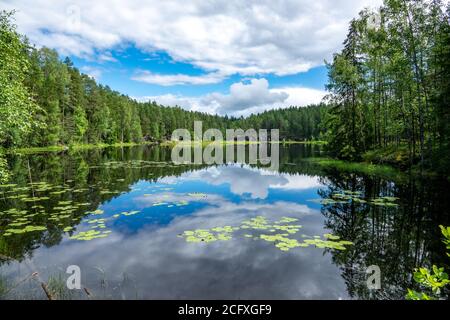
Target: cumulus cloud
226	36
176	79
159	265
92	72
106	57
244	179
170	100
299	96
243	96
243	99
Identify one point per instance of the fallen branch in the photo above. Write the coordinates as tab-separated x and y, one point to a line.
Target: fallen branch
88	293
47	292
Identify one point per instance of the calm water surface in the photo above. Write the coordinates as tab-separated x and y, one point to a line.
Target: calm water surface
130	220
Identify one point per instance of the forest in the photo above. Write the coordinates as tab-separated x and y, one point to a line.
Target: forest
46	101
390	87
88	177
388	101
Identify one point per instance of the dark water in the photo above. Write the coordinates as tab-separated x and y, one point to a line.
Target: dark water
138	248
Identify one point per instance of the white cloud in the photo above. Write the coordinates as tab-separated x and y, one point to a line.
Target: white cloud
243	96
174	269
243	99
298	182
299	96
106	57
176	79
244	179
92	72
188	103
226	36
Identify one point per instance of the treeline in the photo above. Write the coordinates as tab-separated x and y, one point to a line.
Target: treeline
75	109
294	123
45	101
390	86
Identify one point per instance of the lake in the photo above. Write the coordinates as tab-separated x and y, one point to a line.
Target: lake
140	227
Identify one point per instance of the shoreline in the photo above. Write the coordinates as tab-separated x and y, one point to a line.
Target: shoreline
166	143
365	167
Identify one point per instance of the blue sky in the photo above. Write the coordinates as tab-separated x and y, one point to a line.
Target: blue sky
228	57
118	74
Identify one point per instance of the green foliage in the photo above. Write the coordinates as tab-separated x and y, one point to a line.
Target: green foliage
80	122
434	280
77	110
388	103
360	167
390	87
16	106
4	173
446	233
414	295
37	88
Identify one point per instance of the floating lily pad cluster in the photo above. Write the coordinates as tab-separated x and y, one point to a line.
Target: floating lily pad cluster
356	196
106	191
168	204
36	212
281	240
135	164
203	235
385	202
261	223
90	235
37	199
98	225
35	209
20	221
130	213
25	229
35	192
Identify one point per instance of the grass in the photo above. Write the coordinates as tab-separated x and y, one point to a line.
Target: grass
360	167
395	155
313	142
58	289
37	149
3	287
74	147
206	143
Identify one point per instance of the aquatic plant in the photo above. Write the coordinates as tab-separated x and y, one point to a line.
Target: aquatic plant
26	229
90	235
56	285
202	235
131	213
347	196
260	224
